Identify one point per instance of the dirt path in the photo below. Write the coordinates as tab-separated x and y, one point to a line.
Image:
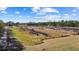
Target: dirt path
59	44
9	42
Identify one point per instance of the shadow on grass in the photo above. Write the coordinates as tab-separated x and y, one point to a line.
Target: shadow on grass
13	45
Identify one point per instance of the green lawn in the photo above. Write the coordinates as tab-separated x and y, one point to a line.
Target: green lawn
26	38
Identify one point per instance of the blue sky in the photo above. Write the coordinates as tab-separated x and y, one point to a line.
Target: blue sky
38	14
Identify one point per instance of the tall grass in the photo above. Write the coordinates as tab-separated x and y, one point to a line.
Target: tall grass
26	38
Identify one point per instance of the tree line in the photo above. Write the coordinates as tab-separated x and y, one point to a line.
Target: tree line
70	23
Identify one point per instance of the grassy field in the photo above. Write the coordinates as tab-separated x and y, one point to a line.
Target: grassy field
70	43
32	42
26	38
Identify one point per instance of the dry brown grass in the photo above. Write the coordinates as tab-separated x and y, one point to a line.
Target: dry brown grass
70	43
56	42
54	33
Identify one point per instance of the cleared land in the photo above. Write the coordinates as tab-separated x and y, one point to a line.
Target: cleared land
57	42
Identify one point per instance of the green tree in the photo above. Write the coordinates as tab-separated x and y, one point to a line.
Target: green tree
1	27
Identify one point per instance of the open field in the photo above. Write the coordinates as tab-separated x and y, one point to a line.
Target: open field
39	29
52	33
26	38
57	40
58	44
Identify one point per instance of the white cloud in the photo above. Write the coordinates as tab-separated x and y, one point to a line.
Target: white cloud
17	12
3	8
50	10
41	13
66	17
44	10
28	16
66	14
74	10
73	14
20	16
4	12
36	9
49	17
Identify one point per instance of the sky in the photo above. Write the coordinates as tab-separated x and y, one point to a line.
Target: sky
38	14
